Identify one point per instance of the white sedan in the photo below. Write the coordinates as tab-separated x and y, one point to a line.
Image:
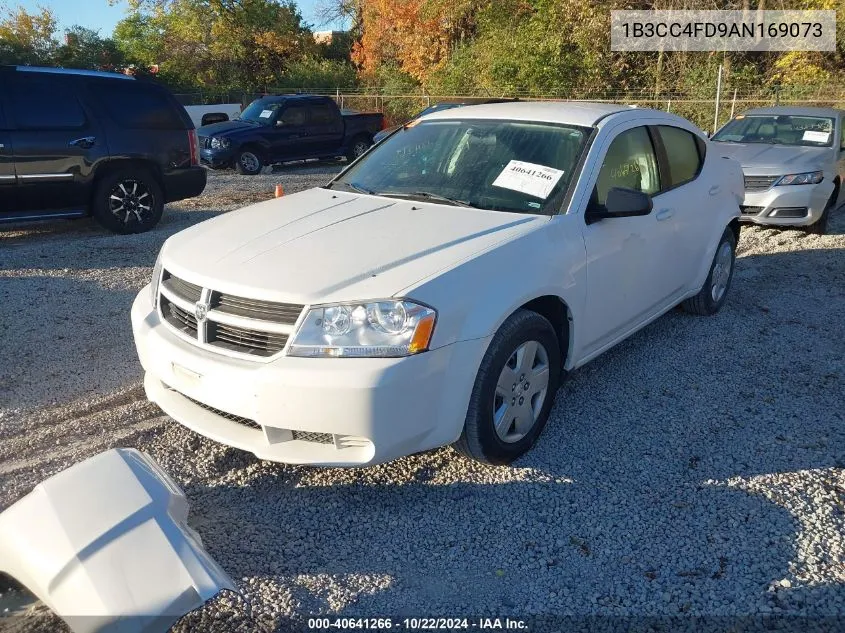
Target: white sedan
438	289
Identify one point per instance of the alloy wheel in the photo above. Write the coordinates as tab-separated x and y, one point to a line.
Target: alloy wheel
249	162
131	199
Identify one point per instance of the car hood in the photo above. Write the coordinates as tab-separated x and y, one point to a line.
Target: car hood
321	246
225	128
765	159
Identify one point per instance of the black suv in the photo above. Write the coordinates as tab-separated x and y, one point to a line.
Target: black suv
75	142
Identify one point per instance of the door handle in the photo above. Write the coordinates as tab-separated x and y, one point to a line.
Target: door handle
85	142
665	214
714	190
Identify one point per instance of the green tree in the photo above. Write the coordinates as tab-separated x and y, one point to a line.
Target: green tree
27	38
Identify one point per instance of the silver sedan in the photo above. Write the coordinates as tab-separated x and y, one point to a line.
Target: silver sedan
793	160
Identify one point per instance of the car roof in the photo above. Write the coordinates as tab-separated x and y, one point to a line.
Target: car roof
581	113
795	111
68	71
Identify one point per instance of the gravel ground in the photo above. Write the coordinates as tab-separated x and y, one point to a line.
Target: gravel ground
698	469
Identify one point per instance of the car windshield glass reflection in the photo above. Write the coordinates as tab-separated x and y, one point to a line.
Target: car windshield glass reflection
806	131
515	166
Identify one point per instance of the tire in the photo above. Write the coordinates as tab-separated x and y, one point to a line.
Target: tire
357	148
248	162
480	439
712	295
128	201
819	227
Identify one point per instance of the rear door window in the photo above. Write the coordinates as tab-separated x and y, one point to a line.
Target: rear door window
36	103
685	154
322	114
134	105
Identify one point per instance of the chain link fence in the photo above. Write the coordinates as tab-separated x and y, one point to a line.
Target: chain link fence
699	108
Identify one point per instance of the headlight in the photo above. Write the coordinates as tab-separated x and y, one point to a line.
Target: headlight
155	281
808	178
386	328
219	143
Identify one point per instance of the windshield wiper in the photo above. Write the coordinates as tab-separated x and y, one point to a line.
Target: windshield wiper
352	186
427	195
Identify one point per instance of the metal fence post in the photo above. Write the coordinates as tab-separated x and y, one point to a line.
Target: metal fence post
733	104
718	96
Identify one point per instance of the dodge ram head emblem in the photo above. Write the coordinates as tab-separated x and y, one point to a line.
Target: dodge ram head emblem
201	311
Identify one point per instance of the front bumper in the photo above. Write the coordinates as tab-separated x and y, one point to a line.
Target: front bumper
321	411
790	205
217	158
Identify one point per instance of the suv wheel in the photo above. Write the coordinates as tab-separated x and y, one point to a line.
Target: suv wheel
128	201
248	162
514	390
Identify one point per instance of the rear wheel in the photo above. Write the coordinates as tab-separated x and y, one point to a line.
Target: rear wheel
248	162
128	201
713	294
514	390
358	147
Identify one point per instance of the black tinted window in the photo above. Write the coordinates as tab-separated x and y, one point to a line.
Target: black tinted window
684	151
135	105
294	115
322	114
36	103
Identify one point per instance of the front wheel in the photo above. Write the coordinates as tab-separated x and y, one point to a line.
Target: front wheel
712	295
128	201
514	390
248	162
819	227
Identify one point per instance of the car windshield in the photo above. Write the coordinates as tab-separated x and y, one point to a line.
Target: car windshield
260	111
516	166
783	129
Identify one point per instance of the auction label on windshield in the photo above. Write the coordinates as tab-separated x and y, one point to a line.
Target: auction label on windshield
265	114
535	180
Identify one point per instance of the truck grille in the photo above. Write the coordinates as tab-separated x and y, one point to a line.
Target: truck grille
204	142
248	327
759	183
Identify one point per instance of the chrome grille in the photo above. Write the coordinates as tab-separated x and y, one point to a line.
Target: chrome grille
183	321
185	290
248	327
759	183
255	308
253	342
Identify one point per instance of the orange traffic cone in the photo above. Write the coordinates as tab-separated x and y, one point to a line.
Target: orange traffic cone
280	191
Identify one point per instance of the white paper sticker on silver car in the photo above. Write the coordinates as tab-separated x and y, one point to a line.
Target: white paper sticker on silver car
816	136
535	180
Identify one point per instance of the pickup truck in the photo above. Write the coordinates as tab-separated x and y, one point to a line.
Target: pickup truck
281	128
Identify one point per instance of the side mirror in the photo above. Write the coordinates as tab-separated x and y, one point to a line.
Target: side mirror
621	203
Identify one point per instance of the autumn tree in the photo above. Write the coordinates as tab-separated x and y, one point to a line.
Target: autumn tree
27	38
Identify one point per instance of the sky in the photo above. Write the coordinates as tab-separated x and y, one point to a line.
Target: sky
100	15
